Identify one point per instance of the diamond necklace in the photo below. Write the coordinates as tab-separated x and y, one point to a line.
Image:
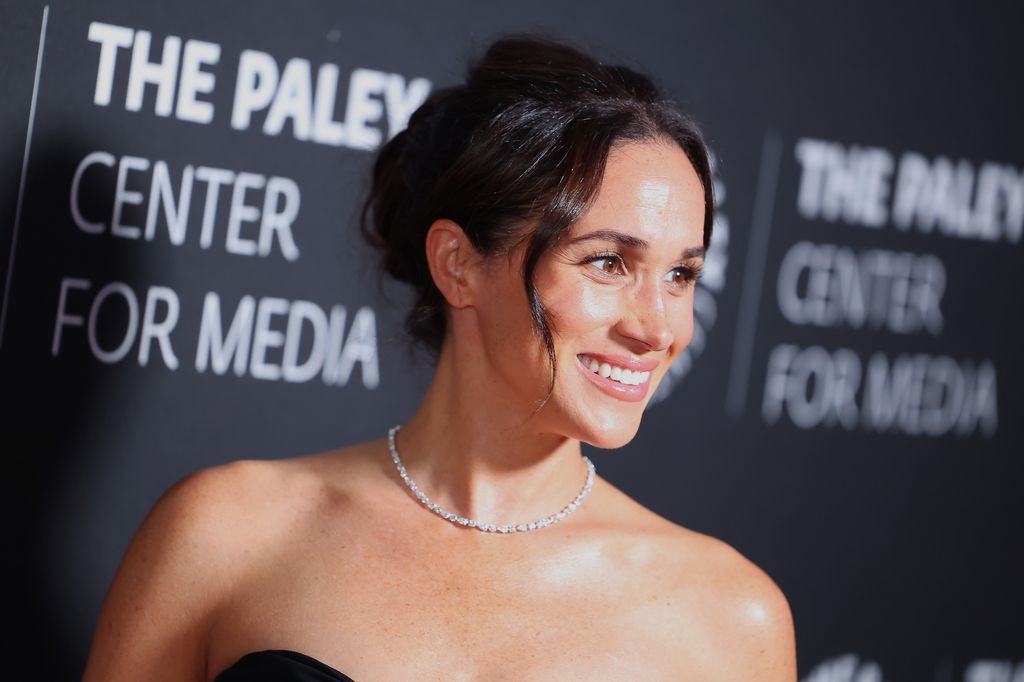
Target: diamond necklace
480	525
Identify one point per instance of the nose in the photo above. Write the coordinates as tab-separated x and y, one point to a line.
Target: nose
645	317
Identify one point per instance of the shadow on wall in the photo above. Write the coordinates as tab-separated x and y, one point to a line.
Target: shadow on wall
54	402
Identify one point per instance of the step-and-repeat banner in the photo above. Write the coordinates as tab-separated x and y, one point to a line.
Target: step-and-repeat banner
183	285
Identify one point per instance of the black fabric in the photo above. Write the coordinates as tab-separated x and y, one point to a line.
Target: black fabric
280	665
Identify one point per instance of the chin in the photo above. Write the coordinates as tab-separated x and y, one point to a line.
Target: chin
598	420
611	434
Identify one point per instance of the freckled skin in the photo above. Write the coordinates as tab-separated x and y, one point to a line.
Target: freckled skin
329	555
650	191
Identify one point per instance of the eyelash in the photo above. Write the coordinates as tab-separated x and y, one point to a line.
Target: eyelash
690	274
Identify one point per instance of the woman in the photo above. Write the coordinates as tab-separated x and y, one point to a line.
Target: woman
551	215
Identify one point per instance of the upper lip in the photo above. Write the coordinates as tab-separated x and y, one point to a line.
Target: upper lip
624	361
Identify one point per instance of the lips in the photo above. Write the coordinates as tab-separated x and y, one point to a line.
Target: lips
625	392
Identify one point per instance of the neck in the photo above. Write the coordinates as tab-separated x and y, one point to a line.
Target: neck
476	451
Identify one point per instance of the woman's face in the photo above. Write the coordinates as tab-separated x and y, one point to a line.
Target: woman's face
618	290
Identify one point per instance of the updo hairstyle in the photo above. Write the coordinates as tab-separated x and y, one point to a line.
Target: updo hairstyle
515	154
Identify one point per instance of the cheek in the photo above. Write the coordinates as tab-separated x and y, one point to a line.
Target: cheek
505	318
578	309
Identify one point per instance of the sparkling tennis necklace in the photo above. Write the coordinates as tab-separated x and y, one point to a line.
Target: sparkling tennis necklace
480	525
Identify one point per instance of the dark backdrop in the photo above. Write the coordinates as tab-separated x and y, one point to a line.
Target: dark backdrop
846	415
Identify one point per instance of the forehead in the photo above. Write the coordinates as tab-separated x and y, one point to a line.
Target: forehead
649	190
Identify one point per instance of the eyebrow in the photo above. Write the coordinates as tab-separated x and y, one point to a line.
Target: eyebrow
632	242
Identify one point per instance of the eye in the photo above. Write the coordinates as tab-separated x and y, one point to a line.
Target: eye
684	275
607	263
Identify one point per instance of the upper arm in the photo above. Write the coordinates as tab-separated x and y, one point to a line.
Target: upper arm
767	627
175	571
761	626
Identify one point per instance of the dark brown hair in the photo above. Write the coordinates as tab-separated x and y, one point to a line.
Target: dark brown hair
523	142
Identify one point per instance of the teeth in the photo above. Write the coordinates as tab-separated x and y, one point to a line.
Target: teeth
623	376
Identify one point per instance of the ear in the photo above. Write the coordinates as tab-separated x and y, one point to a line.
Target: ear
452	259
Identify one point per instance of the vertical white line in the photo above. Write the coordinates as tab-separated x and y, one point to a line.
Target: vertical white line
757	252
24	171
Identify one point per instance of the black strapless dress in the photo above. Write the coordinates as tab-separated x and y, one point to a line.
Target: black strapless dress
280	665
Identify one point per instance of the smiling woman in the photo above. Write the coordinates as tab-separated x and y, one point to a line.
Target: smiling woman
551	215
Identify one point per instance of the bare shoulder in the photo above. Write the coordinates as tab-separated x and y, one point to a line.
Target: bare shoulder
247	505
719	596
193	546
748	616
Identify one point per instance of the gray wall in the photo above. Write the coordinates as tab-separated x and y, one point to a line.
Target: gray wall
845	417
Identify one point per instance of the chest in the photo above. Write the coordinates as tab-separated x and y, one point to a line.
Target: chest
392	610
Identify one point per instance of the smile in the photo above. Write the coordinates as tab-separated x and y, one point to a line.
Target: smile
614	372
619	376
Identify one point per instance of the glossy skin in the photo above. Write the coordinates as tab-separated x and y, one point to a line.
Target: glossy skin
329	554
633	303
